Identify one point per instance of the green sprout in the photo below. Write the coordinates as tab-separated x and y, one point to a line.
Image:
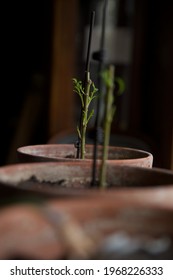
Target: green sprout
86	94
110	109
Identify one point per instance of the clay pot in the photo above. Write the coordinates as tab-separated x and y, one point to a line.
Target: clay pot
104	228
73	178
90	228
67	152
94	225
26	234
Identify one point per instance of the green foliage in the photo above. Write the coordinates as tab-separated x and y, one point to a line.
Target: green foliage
107	79
111	82
121	85
78	88
117	82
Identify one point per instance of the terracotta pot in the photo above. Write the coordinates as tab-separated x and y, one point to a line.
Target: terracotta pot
73	178
67	152
104	228
90	226
26	234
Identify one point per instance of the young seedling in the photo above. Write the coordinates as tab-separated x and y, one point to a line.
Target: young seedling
86	94
110	108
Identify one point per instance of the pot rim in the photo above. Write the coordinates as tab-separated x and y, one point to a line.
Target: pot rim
32	151
13	169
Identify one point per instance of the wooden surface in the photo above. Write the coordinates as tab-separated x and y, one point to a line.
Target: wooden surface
63	59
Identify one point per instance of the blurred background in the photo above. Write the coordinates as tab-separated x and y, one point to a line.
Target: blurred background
44	47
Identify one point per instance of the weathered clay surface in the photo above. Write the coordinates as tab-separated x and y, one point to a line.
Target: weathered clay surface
100	219
25	233
74	176
87	227
67	152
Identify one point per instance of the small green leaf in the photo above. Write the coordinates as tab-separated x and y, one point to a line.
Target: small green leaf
121	85
106	78
90	115
79	89
74	80
81	98
91	99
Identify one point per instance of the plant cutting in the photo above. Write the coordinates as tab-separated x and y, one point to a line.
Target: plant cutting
86	95
109	79
109	113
